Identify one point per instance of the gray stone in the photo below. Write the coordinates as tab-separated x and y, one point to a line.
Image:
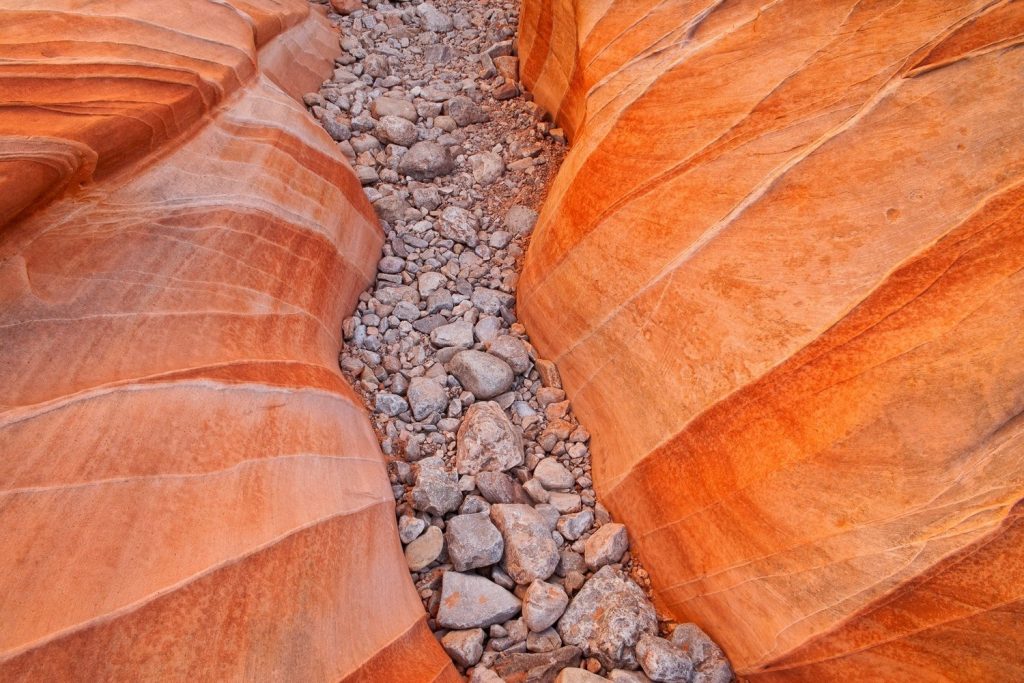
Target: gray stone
575	525
606	545
482	674
426	160
577	675
543	641
487	441
537	493
390	404
491	301
392	208
473	541
391	106
512	350
425	550
429	282
624	676
543	604
336	127
487	167
498	487
549	513
465	111
459	225
520	220
607	618
391	264
426	397
406	311
409	528
483	375
564	502
438	92
662	661
530	552
458	334
389	296
539	667
553	475
434	19
471	601
397	130
465	647
376	66
428	198
436	490
710	663
487	329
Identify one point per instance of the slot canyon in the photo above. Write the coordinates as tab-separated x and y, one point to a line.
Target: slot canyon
512	340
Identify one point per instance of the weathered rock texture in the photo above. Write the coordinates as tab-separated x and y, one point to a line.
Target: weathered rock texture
781	274
188	488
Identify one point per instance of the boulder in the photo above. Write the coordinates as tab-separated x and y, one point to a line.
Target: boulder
487	441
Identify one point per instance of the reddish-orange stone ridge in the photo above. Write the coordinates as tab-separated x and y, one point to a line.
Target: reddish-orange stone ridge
782	274
188	488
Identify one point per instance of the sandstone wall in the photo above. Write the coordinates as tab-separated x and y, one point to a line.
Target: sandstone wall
781	274
188	488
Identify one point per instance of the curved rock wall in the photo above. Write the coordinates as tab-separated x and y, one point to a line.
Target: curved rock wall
188	488
782	274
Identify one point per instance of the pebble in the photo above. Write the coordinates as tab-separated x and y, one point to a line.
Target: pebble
465	647
553	475
426	160
543	604
436	490
459	225
425	550
483	375
473	541
487	441
426	397
490	469
606	545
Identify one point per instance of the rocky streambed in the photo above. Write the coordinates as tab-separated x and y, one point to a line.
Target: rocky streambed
523	574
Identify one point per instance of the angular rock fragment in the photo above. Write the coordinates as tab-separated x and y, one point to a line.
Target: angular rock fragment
424	550
606	545
436	490
543	604
471	601
465	647
541	667
426	160
487	441
426	397
473	541
530	552
607	617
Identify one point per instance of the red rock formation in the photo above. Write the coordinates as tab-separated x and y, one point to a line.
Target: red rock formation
188	488
781	274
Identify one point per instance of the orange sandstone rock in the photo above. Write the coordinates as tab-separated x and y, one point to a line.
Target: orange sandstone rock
188	488
781	272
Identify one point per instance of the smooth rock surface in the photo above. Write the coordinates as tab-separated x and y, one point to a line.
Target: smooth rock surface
780	273
483	375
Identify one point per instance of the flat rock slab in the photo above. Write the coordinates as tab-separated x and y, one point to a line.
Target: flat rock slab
471	601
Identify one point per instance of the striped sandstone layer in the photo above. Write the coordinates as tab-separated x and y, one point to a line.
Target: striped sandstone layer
782	275
188	487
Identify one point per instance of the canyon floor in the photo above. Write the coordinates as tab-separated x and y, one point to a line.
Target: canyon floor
522	572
